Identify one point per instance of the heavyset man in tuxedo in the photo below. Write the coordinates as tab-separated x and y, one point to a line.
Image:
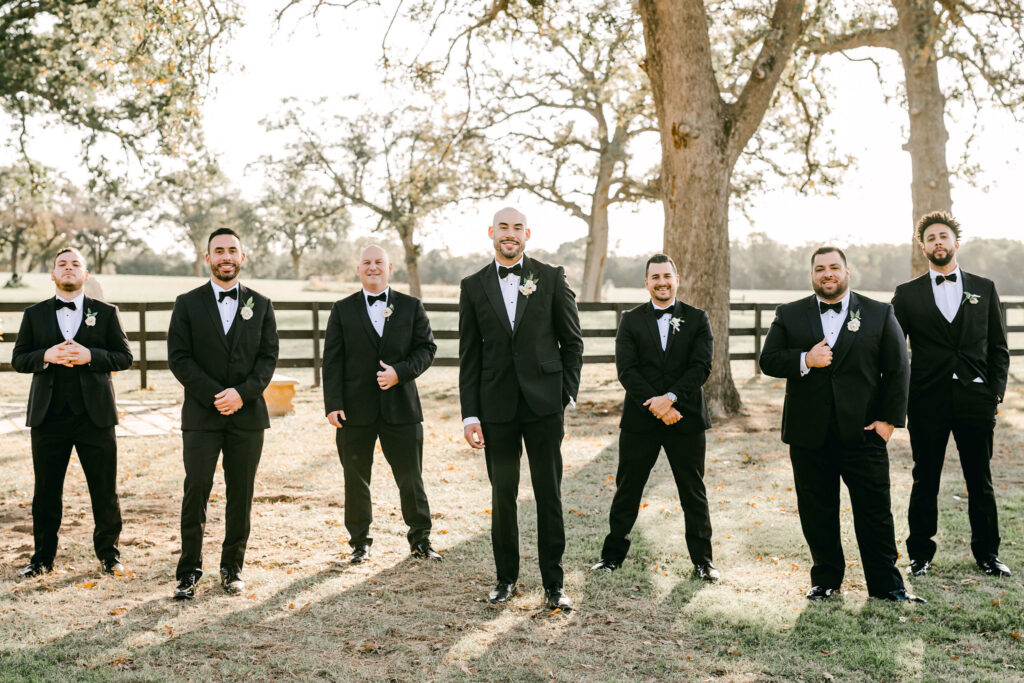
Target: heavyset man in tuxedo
844	358
663	352
958	370
520	354
71	343
378	341
222	346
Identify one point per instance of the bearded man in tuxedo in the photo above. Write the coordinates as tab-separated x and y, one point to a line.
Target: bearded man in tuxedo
222	346
844	359
378	341
71	343
520	355
958	370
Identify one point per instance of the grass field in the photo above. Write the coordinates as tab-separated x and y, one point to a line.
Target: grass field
309	616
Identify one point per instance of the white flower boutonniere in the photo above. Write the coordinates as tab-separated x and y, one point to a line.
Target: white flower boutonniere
246	311
971	298
854	323
90	318
388	311
529	286
675	322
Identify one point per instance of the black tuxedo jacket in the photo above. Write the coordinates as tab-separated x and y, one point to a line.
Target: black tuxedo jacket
976	347
106	342
682	368
206	361
540	357
352	355
867	380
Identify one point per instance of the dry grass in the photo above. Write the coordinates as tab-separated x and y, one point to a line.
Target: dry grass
308	615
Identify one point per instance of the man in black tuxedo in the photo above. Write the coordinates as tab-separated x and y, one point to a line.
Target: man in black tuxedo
378	341
71	344
663	352
845	361
520	354
222	346
958	369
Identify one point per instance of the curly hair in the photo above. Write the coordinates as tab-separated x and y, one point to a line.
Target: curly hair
937	217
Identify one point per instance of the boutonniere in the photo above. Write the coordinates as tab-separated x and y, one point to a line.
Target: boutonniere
971	298
246	310
90	318
675	322
530	285
854	323
388	311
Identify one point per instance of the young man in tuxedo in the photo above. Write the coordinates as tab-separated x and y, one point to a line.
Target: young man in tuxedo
71	343
663	351
958	369
378	341
520	354
222	346
844	358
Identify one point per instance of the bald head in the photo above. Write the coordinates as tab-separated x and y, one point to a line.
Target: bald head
509	216
509	234
374	269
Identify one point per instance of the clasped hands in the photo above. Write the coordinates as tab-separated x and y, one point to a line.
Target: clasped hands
663	409
68	353
386	379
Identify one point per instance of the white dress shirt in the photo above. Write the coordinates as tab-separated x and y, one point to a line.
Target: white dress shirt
948	295
663	322
69	321
376	311
509	286
228	307
831	325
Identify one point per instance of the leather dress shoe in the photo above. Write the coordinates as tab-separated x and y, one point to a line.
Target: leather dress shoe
707	572
993	567
605	565
423	551
231	580
33	569
822	592
502	592
919	567
900	595
186	589
555	598
111	565
359	554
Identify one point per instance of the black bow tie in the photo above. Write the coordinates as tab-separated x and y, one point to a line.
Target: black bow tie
503	272
837	307
939	279
658	313
372	298
231	293
65	304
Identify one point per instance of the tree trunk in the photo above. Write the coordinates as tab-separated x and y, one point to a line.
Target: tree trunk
296	262
597	238
926	106
15	248
412	262
197	265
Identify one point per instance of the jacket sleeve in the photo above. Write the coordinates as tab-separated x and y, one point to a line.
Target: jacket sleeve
116	354
26	357
265	362
421	355
627	364
998	350
778	357
333	368
895	365
697	371
899	308
470	356
180	358
570	337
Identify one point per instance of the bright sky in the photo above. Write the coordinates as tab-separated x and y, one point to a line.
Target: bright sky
337	55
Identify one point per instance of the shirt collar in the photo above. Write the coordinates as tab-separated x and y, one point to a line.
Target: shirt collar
501	265
662	308
217	289
932	273
386	293
78	300
844	302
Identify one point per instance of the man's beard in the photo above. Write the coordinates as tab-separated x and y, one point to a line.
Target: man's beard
943	260
517	250
235	268
841	288
662	295
70	285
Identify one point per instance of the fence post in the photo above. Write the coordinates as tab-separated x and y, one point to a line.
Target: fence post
142	344
757	339
316	343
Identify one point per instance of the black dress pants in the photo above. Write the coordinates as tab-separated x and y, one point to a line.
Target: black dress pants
969	413
52	442
638	452
503	450
242	449
403	449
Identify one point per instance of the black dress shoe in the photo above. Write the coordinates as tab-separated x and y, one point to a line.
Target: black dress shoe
607	566
359	554
822	592
993	567
423	551
900	595
111	565
707	572
501	593
34	569
231	580
919	567
186	589
555	598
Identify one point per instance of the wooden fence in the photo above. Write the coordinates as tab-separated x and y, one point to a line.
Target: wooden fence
762	316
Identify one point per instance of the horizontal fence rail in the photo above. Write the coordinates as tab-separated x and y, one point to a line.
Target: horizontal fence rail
315	333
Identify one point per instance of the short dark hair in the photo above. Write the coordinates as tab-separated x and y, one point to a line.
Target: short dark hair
828	249
222	231
67	250
934	218
659	258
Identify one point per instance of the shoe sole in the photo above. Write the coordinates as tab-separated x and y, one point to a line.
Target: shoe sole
183	596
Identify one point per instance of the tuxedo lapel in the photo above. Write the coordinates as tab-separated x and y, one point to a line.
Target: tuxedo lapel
846	338
493	292
651	323
388	324
82	333
55	332
814	318
359	302
965	308
522	300
672	333
208	300
238	324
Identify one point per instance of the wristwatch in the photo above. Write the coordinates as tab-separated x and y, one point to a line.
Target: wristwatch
672	397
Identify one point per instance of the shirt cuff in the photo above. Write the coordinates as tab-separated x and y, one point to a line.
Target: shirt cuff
572	403
471	421
803	364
